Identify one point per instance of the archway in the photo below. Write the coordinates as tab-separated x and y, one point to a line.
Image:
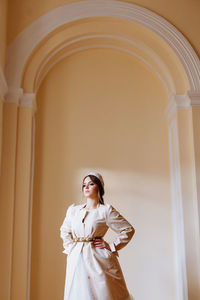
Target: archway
155	42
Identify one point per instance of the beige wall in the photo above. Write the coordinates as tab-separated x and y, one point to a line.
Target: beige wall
184	14
1	128
113	121
3	31
3	44
120	115
5	208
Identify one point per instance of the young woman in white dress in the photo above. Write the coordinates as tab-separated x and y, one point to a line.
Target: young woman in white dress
93	271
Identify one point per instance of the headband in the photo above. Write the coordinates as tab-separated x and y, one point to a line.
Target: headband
98	176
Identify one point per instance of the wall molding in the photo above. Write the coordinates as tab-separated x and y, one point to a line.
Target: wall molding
22	47
181	102
194	98
39	79
3	84
17	96
177	213
29	38
13	95
28	100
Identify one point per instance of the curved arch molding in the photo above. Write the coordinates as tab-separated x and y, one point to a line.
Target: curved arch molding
39	46
27	41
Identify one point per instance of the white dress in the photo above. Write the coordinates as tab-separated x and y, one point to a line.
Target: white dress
81	276
93	272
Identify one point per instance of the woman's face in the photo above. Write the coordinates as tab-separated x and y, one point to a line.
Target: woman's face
90	189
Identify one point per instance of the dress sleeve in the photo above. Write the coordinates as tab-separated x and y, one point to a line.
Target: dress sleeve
65	231
121	226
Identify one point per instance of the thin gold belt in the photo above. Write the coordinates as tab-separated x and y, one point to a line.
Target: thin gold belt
82	239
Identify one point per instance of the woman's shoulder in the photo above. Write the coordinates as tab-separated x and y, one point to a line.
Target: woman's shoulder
108	207
79	206
75	206
111	209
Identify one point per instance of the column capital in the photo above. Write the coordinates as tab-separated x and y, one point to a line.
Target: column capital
177	102
194	98
13	95
28	100
182	101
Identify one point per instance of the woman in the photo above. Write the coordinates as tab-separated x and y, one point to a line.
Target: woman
93	270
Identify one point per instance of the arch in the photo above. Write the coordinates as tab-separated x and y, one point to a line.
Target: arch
39	66
27	41
32	45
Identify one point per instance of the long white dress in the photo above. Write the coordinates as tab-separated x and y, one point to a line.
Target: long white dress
93	272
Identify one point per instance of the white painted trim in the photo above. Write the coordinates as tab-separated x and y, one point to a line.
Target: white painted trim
194	98
3	84
19	51
177	102
22	100
112	37
38	82
28	100
31	210
182	101
13	95
177	214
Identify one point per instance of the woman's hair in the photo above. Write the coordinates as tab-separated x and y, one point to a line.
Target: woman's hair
98	182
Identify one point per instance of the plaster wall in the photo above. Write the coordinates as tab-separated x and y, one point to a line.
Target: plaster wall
103	109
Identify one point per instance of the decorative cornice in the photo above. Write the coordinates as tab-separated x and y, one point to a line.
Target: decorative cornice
22	100
28	100
182	101
177	102
13	95
3	84
194	98
166	76
28	39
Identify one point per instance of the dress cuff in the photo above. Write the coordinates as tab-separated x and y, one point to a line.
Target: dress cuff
113	249
68	249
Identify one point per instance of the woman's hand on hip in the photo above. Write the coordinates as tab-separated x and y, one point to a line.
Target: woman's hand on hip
101	243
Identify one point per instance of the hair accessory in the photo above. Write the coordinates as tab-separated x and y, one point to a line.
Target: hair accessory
98	176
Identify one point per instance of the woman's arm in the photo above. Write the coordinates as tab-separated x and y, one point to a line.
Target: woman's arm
65	231
121	226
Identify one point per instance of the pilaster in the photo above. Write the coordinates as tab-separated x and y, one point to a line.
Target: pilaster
23	199
183	165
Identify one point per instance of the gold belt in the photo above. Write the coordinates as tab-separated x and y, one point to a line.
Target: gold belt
82	239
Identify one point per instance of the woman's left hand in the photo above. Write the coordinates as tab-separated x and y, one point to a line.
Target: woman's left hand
101	243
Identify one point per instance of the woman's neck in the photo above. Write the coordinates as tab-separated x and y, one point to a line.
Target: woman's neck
91	203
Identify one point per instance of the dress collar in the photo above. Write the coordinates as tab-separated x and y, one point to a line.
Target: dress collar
84	204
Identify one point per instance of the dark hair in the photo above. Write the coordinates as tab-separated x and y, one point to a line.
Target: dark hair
98	182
